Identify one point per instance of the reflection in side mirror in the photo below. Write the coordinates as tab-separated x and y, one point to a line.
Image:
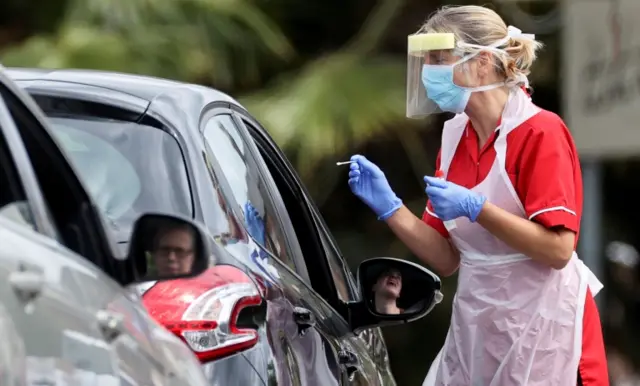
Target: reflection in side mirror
165	247
394	287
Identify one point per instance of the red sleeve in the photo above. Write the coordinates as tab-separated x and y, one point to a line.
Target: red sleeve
429	218
546	179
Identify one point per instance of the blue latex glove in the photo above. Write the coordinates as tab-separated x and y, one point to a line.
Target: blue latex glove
368	182
255	224
451	201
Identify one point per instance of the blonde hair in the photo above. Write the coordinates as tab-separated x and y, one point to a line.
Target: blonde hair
472	24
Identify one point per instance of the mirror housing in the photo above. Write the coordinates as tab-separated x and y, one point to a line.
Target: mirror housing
167	247
393	291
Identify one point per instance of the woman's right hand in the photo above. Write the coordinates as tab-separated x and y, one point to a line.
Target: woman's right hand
369	183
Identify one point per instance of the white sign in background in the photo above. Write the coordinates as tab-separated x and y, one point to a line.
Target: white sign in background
601	75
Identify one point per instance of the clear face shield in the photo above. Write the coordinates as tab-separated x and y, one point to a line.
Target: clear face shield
440	76
423	49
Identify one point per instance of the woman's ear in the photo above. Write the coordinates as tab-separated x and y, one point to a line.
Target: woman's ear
485	64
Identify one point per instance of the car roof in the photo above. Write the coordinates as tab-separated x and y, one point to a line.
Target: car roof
140	86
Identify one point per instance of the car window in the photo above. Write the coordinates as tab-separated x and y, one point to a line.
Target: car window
345	288
248	187
128	168
13	202
224	228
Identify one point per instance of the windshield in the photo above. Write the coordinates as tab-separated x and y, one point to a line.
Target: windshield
128	168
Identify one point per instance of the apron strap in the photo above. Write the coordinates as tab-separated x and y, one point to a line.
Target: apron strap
451	135
519	109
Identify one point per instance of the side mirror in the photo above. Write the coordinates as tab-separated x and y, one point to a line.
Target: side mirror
165	247
393	291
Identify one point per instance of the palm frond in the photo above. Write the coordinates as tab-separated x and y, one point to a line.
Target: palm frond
335	102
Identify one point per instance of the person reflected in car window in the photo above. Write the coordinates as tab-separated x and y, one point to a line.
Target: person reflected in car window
263	230
173	250
386	292
255	223
231	233
234	232
275	240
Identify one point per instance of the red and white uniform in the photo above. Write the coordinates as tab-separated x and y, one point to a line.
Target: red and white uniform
515	321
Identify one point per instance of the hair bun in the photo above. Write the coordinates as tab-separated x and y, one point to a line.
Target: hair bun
481	26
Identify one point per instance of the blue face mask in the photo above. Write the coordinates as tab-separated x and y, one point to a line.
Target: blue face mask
438	81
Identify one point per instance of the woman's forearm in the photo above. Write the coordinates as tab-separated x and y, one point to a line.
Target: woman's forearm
425	242
550	247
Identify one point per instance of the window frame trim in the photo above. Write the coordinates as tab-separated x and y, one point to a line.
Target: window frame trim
43	222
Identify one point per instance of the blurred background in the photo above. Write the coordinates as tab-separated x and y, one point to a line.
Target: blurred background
327	79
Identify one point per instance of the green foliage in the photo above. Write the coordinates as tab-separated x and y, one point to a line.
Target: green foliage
219	42
331	104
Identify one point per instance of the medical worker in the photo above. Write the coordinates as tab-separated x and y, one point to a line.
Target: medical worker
505	214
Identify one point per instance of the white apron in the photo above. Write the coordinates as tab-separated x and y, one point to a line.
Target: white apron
514	321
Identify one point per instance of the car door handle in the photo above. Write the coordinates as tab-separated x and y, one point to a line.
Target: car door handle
347	358
304	319
350	361
111	324
27	284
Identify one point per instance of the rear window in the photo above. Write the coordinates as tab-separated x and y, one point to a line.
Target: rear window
128	168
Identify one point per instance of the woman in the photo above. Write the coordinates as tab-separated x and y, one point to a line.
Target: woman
507	215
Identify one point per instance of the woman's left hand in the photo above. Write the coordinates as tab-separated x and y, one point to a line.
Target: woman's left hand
450	201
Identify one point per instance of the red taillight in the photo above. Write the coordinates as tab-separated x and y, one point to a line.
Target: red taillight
214	301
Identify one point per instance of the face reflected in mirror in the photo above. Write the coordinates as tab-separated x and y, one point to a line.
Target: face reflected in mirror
165	247
172	252
386	292
394	287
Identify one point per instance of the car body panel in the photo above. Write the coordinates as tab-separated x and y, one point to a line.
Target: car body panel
143	87
58	317
13	357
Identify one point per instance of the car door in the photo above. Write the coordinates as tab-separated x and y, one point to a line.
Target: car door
13	359
71	316
325	288
373	356
296	325
364	356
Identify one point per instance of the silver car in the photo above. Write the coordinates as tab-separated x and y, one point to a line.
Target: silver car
68	312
